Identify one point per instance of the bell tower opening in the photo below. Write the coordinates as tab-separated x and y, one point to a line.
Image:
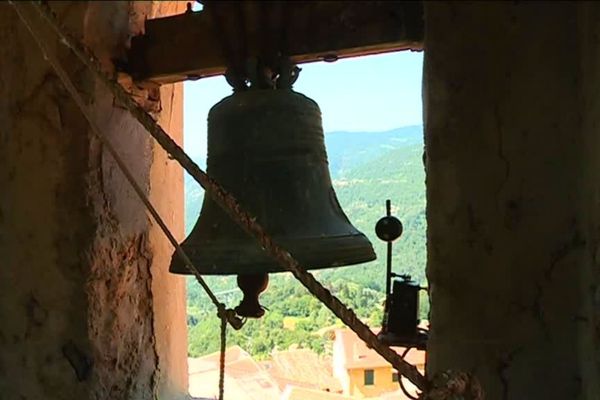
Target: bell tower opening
371	112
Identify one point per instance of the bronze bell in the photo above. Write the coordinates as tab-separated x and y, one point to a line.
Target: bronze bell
266	147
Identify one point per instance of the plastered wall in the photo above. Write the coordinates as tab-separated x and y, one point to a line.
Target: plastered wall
87	308
512	138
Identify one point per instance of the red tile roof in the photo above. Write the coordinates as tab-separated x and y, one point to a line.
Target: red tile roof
304	368
245	379
209	361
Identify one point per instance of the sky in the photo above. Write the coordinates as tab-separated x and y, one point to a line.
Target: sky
367	94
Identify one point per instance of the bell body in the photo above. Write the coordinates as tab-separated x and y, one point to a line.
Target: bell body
266	148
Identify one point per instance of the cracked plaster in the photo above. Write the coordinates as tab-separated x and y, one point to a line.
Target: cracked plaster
512	193
88	309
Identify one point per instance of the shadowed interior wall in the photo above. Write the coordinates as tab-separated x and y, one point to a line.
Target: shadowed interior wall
511	121
88	309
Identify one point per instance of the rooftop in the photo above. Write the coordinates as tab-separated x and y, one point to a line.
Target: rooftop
245	379
302	367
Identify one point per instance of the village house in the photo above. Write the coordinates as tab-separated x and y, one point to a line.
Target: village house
365	374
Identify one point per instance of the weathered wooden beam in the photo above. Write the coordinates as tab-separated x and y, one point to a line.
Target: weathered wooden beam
200	44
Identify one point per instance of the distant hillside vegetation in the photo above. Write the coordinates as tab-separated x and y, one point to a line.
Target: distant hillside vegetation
366	168
348	150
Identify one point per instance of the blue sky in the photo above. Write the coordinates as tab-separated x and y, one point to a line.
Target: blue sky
373	93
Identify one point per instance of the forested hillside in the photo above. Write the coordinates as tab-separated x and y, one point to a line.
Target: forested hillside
367	168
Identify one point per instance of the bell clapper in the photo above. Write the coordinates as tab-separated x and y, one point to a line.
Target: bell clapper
252	285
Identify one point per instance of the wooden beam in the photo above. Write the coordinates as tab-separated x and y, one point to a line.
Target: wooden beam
200	44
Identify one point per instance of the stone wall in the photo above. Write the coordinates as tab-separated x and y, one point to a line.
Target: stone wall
512	189
88	309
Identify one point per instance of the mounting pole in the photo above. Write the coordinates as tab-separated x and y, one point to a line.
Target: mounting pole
388	275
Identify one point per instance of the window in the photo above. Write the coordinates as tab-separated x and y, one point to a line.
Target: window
373	128
394	377
369	377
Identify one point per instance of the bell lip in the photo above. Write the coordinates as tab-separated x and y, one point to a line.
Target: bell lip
344	250
179	269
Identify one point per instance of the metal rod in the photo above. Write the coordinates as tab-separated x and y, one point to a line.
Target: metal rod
388	275
388	283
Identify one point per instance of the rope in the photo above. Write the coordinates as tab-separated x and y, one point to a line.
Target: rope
234	210
402	387
222	358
